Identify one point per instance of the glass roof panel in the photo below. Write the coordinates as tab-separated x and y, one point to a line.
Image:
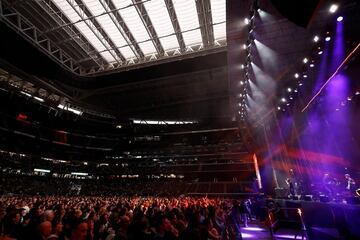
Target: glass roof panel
192	38
107	56
218	14
220	31
135	25
169	42
188	20
108	25
161	21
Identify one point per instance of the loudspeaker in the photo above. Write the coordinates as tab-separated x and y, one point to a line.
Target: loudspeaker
324	198
353	200
307	198
299	12
281	193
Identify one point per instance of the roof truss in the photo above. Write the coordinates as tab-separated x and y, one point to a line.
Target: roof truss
169	31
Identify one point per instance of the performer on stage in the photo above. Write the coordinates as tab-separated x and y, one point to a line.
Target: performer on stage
350	183
291	187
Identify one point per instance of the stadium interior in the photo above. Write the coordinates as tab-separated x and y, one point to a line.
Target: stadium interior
179	119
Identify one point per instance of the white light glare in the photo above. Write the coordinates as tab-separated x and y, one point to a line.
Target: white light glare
296	75
320	52
333	8
79	174
305	60
247	21
357	93
316	39
312	65
340	18
41	170
39	99
244	46
289	89
242	66
279	108
283	99
327	38
241	82
77	112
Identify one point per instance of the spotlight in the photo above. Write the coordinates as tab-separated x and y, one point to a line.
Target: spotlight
305	60
289	89
349	98
320	52
333	8
316	39
283	99
312	65
247	21
339	19
240	95
296	75
288	104
337	109
278	108
244	46
242	66
295	90
305	76
291	98
241	82
357	93
300	84
327	38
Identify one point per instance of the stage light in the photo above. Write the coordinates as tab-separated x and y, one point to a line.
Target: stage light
320	52
305	60
283	99
312	65
241	82
327	38
316	39
288	104
333	8
278	108
349	98
242	66
296	90
244	46
305	76
247	21
296	75
339	19
337	109
289	89
357	93
291	98
300	84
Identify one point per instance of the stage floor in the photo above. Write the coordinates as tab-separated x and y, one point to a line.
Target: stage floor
255	231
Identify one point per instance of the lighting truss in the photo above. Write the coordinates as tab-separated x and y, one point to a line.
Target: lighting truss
111	35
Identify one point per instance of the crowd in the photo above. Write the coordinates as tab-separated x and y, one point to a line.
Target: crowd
125	218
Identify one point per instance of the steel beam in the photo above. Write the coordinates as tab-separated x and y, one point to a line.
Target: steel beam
148	25
204	13
97	30
54	13
175	23
109	6
16	21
